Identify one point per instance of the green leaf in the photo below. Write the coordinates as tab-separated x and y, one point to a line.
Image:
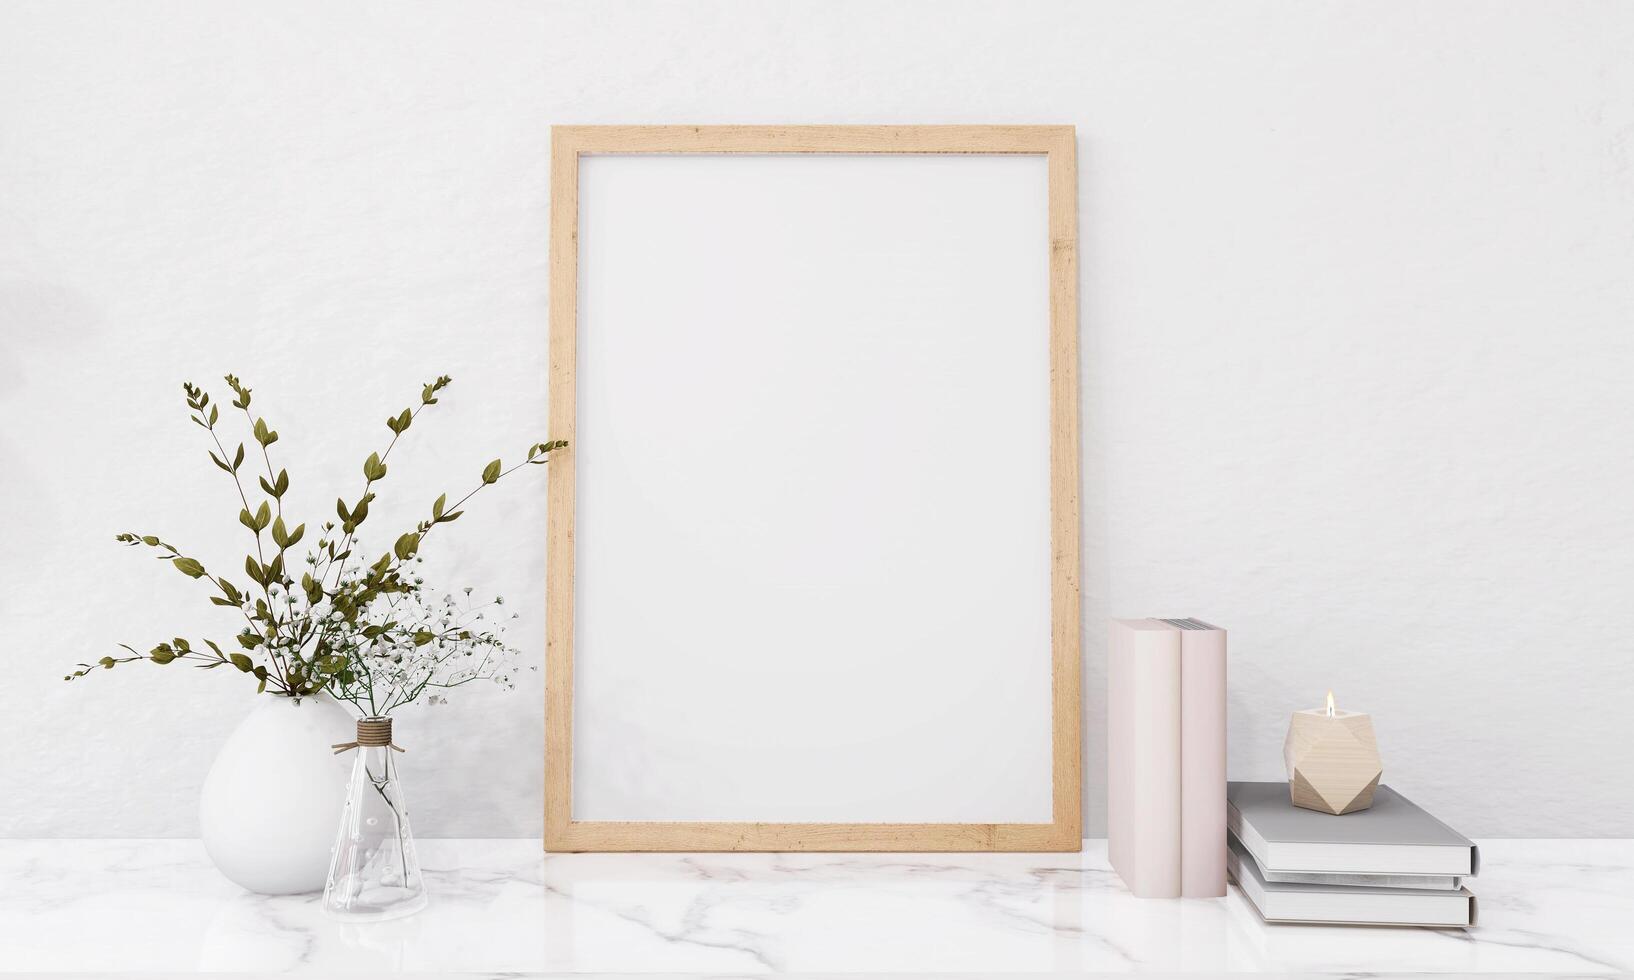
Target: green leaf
422	637
452	517
252	568
238	457
406	546
161	657
490	473
220	462
373	468
188	567
247	519
263	516
437	508
280	534
150	540
242	662
296	535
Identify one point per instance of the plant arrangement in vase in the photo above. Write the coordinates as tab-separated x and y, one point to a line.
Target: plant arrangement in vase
335	623
416	648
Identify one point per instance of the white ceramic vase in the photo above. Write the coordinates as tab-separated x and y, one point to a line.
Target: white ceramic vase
272	797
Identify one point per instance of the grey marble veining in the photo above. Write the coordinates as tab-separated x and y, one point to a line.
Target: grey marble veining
502	908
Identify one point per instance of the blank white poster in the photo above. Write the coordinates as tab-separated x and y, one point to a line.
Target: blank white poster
813	541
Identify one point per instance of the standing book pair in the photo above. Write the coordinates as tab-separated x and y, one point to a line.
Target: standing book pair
1166	757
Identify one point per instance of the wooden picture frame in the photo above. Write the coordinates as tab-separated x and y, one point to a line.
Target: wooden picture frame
1058	143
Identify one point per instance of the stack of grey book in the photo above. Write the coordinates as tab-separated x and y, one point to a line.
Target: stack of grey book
1392	864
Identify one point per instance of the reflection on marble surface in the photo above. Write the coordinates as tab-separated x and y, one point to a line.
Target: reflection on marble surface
502	907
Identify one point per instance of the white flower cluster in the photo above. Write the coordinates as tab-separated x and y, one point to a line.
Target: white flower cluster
424	647
402	646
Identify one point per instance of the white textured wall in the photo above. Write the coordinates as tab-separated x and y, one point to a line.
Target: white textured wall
1358	309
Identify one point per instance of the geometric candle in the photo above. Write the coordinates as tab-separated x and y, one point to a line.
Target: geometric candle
1332	759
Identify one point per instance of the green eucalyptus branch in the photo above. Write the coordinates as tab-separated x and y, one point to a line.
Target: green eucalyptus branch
374	468
199	400
191	567
179	649
256	567
273	485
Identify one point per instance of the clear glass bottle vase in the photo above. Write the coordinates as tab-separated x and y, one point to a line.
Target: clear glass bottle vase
374	873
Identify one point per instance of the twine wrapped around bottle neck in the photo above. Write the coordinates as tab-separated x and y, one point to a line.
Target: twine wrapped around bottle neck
371	733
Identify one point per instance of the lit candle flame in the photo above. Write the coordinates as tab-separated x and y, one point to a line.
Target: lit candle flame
1330	704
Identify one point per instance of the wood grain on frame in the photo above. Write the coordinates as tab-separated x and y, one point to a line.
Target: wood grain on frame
1063	833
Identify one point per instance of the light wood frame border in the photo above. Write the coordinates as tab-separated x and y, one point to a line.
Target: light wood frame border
1059	145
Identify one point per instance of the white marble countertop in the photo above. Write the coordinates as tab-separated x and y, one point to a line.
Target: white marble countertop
503	907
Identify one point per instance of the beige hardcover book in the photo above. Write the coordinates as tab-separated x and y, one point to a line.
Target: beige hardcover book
1143	755
1202	758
